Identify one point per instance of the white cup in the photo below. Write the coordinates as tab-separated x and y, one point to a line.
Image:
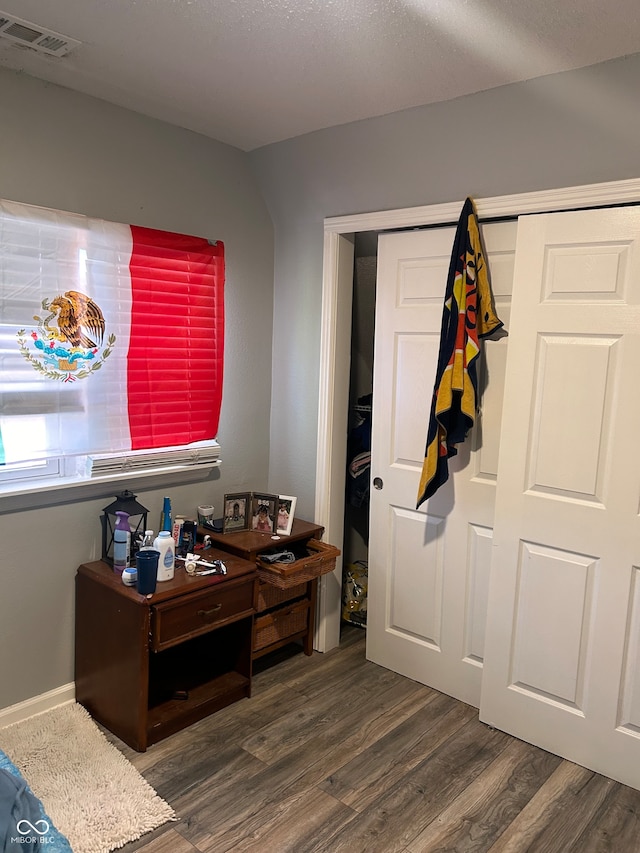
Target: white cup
205	514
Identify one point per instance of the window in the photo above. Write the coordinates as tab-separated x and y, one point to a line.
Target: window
111	346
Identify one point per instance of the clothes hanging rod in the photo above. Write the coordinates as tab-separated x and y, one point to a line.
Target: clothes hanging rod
485	220
431	226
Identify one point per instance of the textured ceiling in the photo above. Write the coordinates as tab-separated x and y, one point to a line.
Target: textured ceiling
252	72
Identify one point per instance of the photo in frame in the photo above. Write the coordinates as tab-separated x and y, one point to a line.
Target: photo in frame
237	512
286	512
263	512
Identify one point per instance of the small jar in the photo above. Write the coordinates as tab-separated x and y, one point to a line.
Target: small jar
129	576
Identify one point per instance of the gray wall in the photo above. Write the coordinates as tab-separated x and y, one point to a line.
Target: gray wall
64	150
564	130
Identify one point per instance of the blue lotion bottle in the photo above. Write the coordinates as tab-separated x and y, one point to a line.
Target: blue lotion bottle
166	521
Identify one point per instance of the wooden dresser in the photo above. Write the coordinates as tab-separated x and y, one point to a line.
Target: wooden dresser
147	666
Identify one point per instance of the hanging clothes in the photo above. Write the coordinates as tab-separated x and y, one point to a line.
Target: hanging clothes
359	455
468	315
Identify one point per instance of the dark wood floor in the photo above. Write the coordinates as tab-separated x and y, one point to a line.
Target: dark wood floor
333	753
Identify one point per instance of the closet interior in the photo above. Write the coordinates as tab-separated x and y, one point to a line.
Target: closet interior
358	463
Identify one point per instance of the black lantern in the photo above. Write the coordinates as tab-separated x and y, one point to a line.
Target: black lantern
124	502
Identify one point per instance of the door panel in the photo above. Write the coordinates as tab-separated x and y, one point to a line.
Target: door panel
415	597
563	615
412	394
567	616
558	463
429	568
629	716
477	591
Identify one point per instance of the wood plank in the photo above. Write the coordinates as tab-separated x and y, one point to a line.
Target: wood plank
475	819
364	779
541	809
167	841
394	819
361	735
219	730
181	782
372	692
290	772
327	673
615	826
568	823
283	825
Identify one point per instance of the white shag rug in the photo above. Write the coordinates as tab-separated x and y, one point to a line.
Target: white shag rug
93	794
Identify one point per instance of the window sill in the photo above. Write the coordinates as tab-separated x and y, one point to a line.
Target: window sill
15	497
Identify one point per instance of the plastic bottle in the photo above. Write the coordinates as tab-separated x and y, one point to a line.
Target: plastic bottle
121	542
165	517
148	540
188	541
167	560
177	531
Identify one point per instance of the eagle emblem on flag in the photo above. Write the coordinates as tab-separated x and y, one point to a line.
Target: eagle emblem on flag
67	342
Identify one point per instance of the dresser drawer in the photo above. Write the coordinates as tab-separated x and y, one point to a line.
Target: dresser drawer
278	625
189	616
270	596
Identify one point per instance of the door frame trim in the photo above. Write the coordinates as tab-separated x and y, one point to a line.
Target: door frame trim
335	339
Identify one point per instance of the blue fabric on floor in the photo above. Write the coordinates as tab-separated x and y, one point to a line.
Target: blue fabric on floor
53	840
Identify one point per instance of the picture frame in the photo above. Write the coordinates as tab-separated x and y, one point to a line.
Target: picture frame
236	512
263	512
286	513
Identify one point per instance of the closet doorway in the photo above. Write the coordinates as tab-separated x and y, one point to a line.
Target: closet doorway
355	544
335	345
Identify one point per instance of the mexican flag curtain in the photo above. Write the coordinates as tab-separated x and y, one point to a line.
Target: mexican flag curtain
468	316
112	336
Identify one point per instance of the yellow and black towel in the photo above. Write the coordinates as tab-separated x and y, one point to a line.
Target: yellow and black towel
468	315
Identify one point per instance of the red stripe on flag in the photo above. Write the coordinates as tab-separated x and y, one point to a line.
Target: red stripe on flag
176	348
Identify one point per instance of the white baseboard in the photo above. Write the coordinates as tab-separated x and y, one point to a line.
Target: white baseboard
38	704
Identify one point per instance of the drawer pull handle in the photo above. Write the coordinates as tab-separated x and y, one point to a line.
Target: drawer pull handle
284	613
206	613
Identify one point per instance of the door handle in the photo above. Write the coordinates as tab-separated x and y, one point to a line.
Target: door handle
377	483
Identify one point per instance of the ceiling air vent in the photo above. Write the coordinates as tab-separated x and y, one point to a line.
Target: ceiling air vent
24	34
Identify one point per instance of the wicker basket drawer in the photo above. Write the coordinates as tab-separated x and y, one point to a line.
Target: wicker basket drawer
319	560
270	596
280	624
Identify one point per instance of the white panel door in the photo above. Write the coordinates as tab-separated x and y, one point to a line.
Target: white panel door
563	629
429	568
